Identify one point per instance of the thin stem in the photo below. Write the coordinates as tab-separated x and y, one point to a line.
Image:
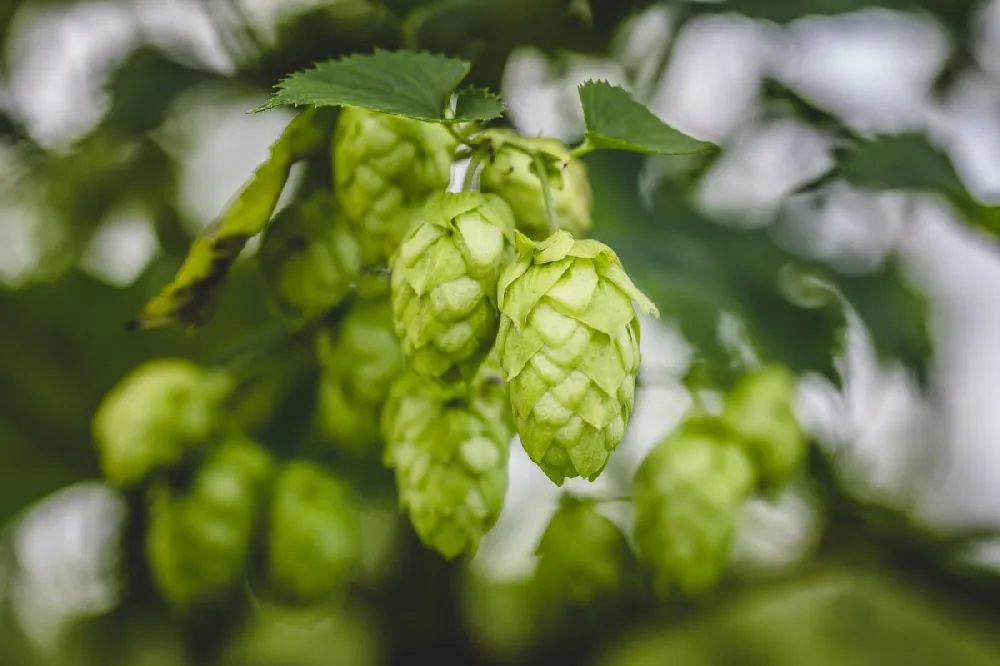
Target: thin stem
469	182
583	149
550	203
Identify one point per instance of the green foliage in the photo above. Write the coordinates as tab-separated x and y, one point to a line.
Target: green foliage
401	83
616	121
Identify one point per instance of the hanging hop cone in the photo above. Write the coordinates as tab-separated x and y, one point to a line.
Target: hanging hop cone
758	411
569	346
360	358
314	537
444	281
583	558
449	448
385	167
309	257
687	495
154	416
198	538
511	172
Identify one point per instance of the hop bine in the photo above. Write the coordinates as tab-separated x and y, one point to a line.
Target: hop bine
688	494
155	416
314	534
198	539
444	281
309	257
449	448
512	173
384	169
569	347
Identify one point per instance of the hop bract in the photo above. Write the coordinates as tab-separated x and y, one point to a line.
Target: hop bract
449	451
314	536
309	257
583	556
444	280
758	411
360	358
569	346
511	172
155	416
687	495
385	167
198	538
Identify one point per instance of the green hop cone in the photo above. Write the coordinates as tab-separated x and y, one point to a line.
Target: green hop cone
758	411
385	167
198	538
444	280
583	556
449	448
511	173
314	537
569	347
687	495
154	416
360	358
309	257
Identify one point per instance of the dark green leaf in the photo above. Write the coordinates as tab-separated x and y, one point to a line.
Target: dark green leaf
402	83
616	121
901	162
478	104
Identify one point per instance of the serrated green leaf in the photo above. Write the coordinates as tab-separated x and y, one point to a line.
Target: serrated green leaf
478	104
616	121
416	85
190	298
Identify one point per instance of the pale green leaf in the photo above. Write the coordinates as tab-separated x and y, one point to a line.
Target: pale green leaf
478	104
616	121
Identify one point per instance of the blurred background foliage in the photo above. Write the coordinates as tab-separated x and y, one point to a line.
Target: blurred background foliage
122	133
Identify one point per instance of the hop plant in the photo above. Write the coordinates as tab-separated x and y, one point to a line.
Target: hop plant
449	448
198	539
583	556
758	411
569	347
687	496
309	257
384	168
360	359
444	280
512	173
154	416
314	534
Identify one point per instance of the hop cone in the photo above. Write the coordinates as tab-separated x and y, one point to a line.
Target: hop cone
569	347
583	556
154	416
687	496
198	539
449	449
759	413
385	167
360	359
309	256
315	534
444	281
512	174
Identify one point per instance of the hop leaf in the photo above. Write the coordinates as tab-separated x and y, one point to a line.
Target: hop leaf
449	451
569	346
198	539
315	533
154	417
687	496
512	174
444	281
583	556
309	257
360	359
758	411
385	167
